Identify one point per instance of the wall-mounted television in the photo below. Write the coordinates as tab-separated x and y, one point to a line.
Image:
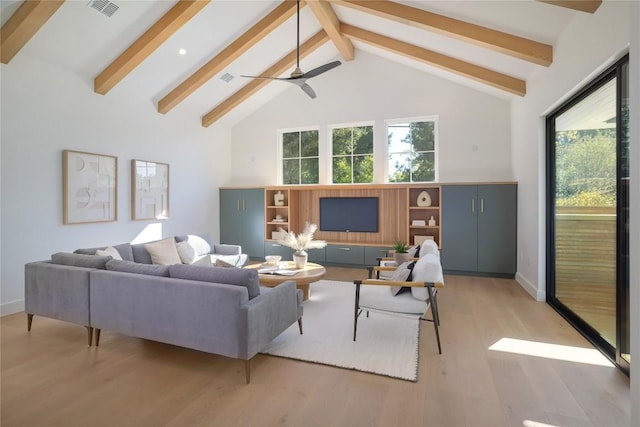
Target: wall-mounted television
352	214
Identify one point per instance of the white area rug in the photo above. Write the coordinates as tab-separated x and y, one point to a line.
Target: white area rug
386	344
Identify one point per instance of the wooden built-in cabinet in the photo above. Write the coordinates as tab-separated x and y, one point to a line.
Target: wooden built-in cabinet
397	204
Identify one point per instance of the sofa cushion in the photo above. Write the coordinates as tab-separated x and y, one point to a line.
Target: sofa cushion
124	249
429	247
427	269
230	276
80	260
137	268
401	274
163	252
188	253
109	251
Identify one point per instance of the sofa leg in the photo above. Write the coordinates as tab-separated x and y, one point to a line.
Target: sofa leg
29	321
300	325
89	335
97	337
247	370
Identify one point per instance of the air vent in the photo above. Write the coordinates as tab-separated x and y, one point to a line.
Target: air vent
226	77
104	6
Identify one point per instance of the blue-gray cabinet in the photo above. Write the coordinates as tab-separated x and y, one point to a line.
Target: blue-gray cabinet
479	232
273	248
344	254
242	219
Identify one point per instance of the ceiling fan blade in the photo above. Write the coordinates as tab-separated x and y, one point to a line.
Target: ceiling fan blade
307	89
321	69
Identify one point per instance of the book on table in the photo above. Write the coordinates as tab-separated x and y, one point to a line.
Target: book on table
277	271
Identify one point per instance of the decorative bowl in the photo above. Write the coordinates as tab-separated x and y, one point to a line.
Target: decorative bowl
272	259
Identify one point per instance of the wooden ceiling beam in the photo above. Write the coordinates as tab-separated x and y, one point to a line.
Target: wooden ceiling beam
462	68
519	47
147	43
229	54
252	87
24	24
327	17
589	6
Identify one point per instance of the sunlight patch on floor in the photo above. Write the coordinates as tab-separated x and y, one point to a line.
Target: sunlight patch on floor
552	351
529	423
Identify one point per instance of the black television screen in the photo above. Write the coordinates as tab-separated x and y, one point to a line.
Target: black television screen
353	214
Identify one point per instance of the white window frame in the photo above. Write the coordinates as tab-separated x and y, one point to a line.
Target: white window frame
436	144
280	152
373	150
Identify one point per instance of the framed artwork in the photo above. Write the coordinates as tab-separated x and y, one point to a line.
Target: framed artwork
90	187
149	190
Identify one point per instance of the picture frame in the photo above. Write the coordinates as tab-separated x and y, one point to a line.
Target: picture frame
89	187
149	190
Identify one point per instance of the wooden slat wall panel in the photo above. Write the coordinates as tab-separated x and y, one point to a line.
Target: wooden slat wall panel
392	221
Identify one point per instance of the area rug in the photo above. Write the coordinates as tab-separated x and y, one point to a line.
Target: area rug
386	344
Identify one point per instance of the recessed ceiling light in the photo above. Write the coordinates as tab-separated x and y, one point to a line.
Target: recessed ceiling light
182	51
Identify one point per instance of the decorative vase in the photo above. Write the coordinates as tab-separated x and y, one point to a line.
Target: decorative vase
401	257
432	221
300	259
278	199
423	199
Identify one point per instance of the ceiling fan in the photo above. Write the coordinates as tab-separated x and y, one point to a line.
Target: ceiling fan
298	77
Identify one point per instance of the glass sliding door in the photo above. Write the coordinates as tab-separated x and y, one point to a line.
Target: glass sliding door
588	205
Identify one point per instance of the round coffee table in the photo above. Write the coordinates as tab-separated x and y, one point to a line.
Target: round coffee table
304	277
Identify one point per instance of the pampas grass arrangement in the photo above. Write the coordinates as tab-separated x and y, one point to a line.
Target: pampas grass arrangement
303	240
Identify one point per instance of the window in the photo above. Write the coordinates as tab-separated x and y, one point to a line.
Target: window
352	159
411	147
300	157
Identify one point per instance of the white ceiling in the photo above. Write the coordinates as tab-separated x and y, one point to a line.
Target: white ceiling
84	41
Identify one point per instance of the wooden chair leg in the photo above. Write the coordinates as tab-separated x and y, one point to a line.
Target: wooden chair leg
97	337
89	335
300	325
247	370
29	321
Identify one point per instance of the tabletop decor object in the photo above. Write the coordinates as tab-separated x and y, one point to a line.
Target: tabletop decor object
301	243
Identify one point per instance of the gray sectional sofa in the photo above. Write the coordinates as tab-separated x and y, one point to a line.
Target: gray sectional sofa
213	309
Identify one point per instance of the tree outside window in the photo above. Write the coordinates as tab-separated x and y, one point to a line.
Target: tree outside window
411	151
352	158
300	157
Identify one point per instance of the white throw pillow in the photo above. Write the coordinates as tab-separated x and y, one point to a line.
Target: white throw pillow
199	245
427	269
164	252
109	251
429	247
186	252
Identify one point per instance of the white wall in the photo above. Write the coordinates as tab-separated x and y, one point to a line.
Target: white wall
588	45
474	128
46	109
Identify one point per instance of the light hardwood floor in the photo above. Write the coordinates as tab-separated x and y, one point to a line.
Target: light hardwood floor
51	378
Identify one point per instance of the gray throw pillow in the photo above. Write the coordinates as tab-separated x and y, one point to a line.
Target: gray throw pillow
134	267
229	276
80	260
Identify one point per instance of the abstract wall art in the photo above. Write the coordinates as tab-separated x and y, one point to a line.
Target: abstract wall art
150	190
90	187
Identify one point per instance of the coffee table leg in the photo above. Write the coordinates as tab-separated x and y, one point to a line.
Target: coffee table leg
305	291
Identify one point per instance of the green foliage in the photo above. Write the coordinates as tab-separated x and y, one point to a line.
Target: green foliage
400	247
417	164
352	155
300	157
586	168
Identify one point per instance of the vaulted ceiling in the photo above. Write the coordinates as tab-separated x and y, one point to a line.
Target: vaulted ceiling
132	46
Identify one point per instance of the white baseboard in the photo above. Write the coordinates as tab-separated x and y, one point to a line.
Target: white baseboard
12	307
538	294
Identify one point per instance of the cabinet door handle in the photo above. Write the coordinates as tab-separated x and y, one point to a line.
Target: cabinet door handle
276	245
473	205
481	205
244	205
345	249
238	207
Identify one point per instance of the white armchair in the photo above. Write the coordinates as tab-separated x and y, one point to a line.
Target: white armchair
381	294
